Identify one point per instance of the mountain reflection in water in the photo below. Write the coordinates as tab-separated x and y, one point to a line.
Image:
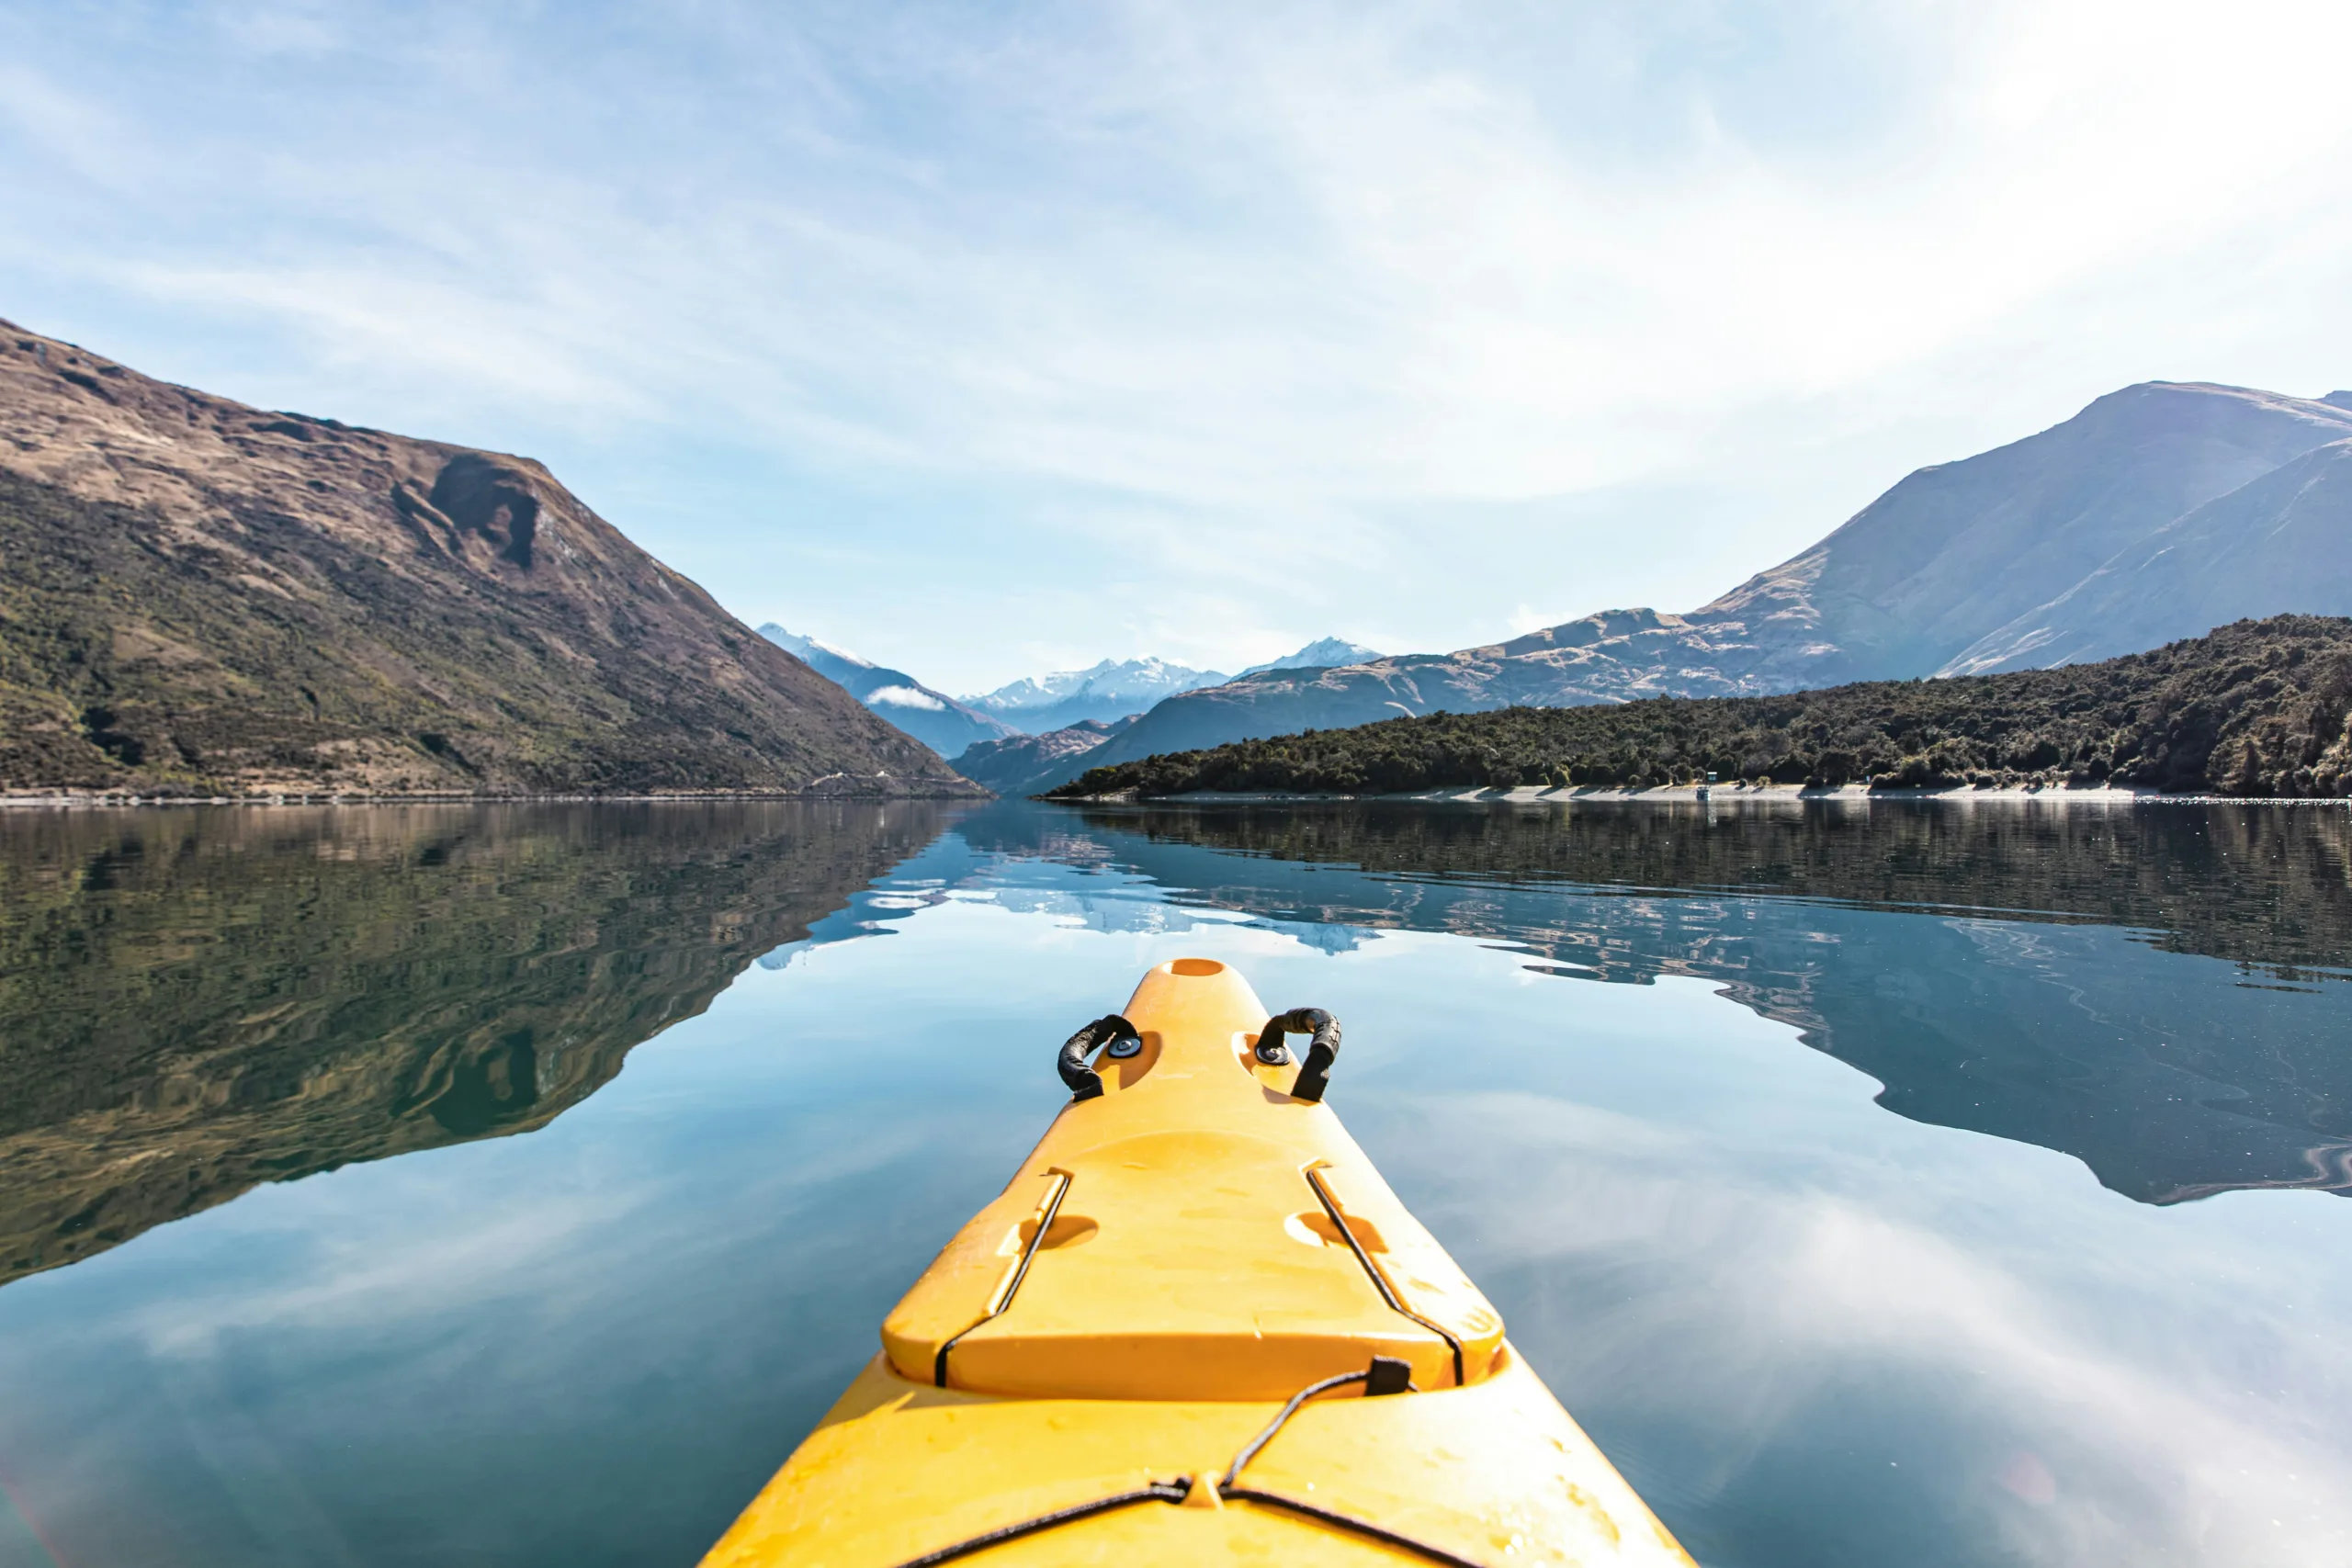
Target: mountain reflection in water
195	1001
1813	1334
2034	1006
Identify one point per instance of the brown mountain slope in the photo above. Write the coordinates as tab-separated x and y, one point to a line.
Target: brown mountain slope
200	597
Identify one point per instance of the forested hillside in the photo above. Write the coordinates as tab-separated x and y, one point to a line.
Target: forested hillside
2256	708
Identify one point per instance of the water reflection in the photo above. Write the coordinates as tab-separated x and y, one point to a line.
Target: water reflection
1813	1333
193	1001
2036	1006
2263	886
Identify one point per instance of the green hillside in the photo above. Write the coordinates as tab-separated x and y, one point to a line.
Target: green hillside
2257	708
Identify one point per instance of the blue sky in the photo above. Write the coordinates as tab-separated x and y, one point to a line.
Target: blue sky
990	339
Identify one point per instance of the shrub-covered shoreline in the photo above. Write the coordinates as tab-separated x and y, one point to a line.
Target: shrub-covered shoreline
2257	708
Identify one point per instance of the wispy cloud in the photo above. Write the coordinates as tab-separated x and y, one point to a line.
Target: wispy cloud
1760	1299
1214	301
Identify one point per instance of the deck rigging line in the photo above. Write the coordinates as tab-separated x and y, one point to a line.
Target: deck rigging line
1385	1376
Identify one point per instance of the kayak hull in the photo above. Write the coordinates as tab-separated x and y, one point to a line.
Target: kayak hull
1196	1327
1494	1473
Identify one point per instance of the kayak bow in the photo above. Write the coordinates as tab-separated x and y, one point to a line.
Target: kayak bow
1197	1328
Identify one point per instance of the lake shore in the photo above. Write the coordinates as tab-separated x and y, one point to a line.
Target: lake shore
1721	795
115	800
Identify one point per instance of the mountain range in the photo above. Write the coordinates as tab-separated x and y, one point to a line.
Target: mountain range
1103	692
2158	513
1016	756
206	598
936	719
1027	749
1025	764
203	597
1118	689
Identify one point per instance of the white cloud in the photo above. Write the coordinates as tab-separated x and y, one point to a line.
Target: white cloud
1758	1297
1206	300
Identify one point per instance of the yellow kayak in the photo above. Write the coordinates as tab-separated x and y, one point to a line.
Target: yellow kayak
1196	1329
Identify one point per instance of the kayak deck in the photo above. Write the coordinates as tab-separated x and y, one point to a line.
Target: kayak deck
1084	1367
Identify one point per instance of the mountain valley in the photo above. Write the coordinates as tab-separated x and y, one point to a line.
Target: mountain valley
936	719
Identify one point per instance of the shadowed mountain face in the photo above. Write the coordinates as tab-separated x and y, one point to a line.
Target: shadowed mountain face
2011	969
2283	539
2083	541
1025	764
197	1000
202	597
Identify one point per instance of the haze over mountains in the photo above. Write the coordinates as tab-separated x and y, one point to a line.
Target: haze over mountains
1118	689
2158	513
1020	761
202	597
936	719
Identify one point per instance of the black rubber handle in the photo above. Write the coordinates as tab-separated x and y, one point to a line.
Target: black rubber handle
1084	1082
1322	1048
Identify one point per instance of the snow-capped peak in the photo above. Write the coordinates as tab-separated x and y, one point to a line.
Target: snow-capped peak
1140	681
1324	653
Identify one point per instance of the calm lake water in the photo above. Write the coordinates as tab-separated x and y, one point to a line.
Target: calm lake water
1878	1183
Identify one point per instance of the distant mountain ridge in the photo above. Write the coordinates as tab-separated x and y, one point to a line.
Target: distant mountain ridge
2158	513
936	719
1111	689
206	598
1117	689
